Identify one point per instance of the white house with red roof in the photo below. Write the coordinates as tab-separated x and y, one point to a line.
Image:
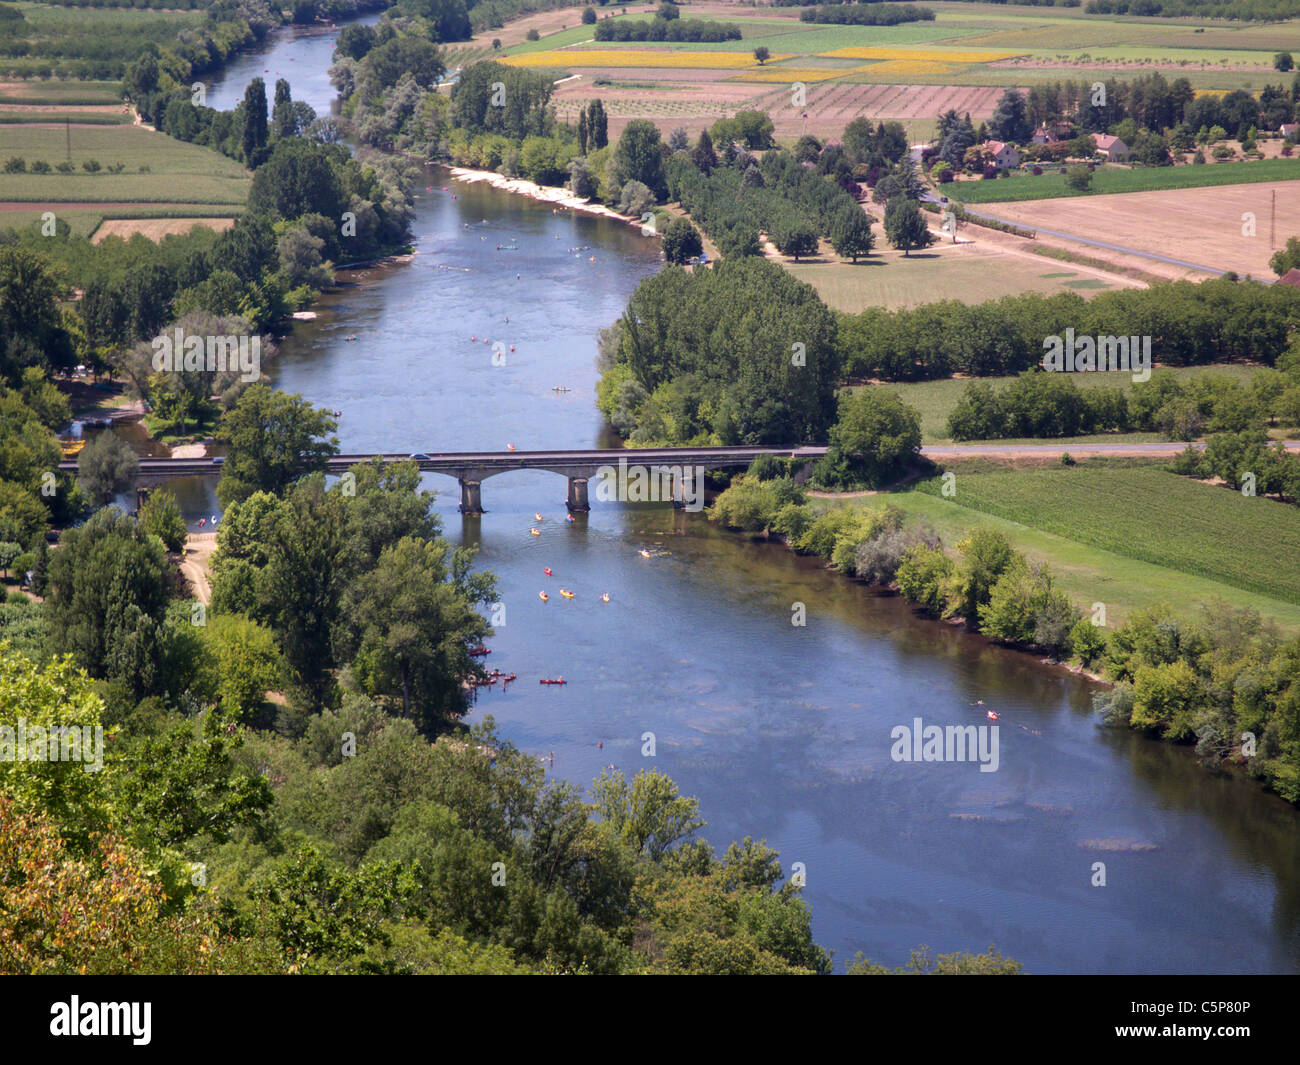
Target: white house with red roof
1005	155
1112	148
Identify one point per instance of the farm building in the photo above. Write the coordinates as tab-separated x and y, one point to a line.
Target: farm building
1112	148
1004	155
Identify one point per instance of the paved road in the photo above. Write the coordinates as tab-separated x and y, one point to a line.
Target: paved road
992	447
461	462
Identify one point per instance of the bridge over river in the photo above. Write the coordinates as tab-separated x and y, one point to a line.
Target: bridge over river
472	468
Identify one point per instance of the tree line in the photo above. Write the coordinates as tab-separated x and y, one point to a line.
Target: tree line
1220	320
661	29
1038	404
867	14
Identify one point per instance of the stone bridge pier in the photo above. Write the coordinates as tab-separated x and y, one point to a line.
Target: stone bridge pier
471	496
577	498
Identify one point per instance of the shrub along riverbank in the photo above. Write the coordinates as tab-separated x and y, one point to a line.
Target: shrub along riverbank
1220	677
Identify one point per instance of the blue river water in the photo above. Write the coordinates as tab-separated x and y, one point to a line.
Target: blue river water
782	732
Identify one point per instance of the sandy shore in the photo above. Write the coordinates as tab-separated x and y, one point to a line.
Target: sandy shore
189	451
546	193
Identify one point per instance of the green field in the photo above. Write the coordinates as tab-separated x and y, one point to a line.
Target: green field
1062	44
889	279
95	42
1121	179
780	35
84	221
58	118
801	39
62	93
1088	574
177	172
934	400
1151	516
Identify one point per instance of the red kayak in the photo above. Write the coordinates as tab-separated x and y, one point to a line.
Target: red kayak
547	680
479	652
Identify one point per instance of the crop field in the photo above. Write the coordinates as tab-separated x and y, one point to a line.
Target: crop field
947	55
156	228
41	116
61	93
107	219
51	36
1152	516
636	57
1202	226
1089	574
156	168
909	73
1117	179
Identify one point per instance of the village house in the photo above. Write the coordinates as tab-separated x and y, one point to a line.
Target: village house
1005	155
1052	132
1111	148
1290	130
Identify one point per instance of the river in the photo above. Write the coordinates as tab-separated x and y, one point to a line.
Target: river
782	732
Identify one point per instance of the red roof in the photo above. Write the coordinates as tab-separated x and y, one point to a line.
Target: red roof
1291	277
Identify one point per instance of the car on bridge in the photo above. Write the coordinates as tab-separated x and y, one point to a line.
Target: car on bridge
420	456
219	460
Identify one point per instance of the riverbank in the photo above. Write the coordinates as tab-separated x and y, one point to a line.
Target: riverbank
892	588
552	194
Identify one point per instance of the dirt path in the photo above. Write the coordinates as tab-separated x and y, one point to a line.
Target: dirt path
195	565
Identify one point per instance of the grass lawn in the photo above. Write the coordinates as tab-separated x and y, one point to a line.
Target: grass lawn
936	399
1089	574
1122	179
1149	515
178	172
